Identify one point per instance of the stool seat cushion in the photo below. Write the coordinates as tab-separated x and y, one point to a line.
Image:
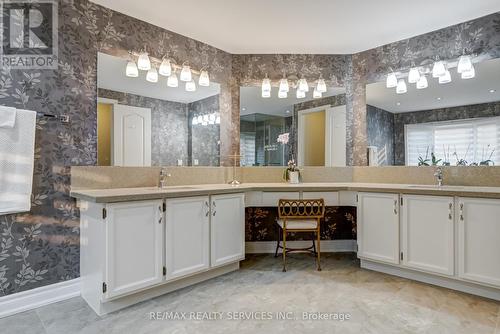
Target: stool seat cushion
299	224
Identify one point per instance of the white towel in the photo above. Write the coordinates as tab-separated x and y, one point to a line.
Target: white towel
7	117
17	154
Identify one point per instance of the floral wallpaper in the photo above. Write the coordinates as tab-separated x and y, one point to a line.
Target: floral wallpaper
436	115
41	247
339	223
380	133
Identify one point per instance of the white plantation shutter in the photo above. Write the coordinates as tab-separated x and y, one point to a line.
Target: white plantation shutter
472	140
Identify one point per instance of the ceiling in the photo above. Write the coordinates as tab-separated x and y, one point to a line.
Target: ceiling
251	101
300	26
111	75
456	93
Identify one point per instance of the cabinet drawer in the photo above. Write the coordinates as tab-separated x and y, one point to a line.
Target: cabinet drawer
272	198
331	197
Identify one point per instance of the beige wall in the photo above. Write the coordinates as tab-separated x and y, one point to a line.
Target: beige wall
314	139
104	119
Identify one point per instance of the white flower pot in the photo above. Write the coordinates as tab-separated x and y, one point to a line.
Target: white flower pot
293	177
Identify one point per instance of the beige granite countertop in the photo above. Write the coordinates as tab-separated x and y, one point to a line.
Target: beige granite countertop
146	193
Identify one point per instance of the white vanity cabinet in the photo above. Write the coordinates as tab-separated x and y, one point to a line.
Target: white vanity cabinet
187	236
479	240
427	234
133	246
227	228
378	227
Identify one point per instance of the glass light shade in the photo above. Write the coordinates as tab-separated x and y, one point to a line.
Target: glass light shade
316	94
266	93
282	95
190	86
152	75
172	81
438	69
266	85
401	87
132	70
301	94
195	120
303	86
200	119
205	120
392	80
446	78
422	82
186	73
321	86
217	119
284	85
469	74
204	79
464	64
143	63
211	119
165	68
414	75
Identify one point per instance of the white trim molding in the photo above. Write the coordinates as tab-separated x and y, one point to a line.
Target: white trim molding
327	246
31	299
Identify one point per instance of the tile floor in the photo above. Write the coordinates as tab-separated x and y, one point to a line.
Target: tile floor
375	302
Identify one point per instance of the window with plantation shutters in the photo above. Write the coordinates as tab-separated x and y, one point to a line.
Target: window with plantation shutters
247	149
471	141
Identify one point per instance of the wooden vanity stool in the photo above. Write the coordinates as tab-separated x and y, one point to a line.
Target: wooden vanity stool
300	216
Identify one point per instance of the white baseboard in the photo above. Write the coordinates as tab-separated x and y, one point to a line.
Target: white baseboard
327	246
31	299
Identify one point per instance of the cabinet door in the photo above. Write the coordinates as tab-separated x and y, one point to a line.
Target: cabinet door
187	236
479	240
378	227
428	233
227	229
134	246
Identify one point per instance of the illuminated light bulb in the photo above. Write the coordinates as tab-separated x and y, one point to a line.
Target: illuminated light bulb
464	64
165	68
152	75
316	94
392	80
301	94
469	74
401	87
303	86
438	69
132	70
414	75
186	73
190	86
266	93
204	79
211	119
284	88
422	82
321	86
217	119
200	119
446	78
282	95
172	80
266	84
143	63
195	120
205	120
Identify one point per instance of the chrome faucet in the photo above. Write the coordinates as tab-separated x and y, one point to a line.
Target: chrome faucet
439	176
163	177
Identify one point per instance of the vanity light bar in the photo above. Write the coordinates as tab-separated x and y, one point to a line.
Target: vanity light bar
206	119
301	86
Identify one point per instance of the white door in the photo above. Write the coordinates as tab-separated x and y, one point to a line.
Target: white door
378	227
131	136
428	233
134	246
479	240
227	229
187	235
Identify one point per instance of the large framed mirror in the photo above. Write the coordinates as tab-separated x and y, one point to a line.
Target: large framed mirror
310	129
144	123
452	121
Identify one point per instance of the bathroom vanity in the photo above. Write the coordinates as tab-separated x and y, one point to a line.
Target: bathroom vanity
137	243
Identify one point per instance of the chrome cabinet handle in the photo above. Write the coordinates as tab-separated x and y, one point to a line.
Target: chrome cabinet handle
214	207
450	211
160	208
208	209
395	206
462	211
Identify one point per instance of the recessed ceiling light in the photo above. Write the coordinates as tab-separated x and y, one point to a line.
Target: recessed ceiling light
398	103
439	99
244	109
492	90
288	111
